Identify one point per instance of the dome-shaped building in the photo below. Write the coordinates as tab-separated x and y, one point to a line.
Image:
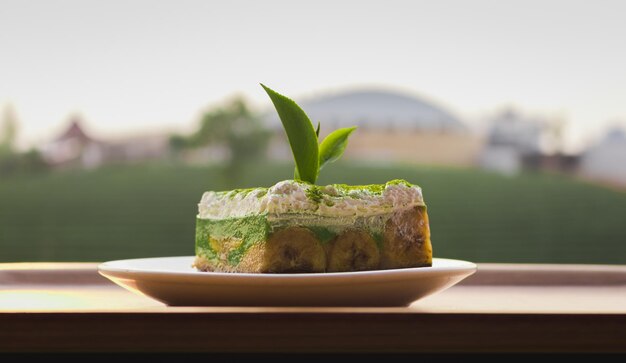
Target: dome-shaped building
376	109
391	126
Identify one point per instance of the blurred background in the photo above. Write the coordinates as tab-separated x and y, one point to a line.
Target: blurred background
115	117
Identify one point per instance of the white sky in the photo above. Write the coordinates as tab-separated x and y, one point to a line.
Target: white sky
131	66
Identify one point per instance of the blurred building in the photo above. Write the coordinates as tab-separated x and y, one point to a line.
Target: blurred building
606	161
68	148
512	140
391	127
516	142
74	147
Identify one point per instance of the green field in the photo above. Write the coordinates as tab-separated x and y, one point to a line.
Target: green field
149	210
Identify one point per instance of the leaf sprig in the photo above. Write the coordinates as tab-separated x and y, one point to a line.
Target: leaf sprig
310	155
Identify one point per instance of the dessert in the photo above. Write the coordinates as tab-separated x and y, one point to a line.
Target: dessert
296	226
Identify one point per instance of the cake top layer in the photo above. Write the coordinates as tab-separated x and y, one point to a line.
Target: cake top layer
296	197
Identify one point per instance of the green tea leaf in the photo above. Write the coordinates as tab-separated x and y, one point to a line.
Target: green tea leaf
296	175
334	145
301	135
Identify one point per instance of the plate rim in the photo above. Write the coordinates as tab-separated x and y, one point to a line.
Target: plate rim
460	266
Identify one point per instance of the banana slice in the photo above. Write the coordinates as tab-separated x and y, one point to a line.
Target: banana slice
294	250
406	240
353	250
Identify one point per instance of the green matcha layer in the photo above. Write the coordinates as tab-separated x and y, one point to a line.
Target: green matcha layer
296	227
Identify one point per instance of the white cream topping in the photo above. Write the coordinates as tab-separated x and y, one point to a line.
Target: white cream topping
290	196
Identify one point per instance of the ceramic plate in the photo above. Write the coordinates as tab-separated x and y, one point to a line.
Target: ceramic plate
173	281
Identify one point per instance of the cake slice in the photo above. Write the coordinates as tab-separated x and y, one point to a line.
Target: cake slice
297	227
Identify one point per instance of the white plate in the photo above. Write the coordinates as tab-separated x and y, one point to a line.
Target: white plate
173	281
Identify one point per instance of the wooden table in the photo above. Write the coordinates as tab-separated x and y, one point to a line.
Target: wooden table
69	307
